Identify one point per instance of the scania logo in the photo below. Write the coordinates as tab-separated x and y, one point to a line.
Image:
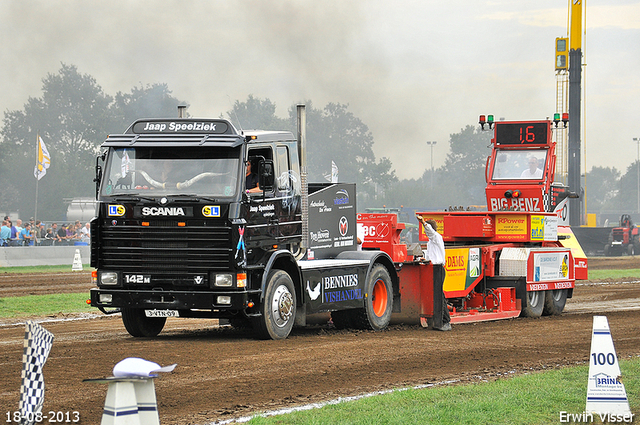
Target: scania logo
170	211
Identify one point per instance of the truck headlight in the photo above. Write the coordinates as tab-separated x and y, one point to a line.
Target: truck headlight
108	278
224	280
223	299
105	298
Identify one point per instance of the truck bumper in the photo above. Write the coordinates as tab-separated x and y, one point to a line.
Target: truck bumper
170	300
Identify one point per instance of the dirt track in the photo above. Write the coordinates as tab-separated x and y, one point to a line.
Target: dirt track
224	373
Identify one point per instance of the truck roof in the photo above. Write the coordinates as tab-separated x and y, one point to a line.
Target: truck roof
267	136
190	132
182	126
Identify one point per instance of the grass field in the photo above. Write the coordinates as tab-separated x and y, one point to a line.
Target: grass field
595	275
41	269
45	305
530	399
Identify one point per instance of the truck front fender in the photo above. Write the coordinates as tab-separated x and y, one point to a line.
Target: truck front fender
282	260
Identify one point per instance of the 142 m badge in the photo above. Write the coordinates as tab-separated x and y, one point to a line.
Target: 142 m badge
137	278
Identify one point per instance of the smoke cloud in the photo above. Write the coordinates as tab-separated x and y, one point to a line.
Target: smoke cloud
413	71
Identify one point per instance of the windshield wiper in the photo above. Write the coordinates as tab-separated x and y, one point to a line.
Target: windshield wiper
134	197
193	196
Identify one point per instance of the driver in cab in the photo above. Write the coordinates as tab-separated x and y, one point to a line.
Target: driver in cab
532	172
252	184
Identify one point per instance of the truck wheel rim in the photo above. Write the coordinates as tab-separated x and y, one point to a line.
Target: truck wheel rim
379	299
282	306
534	298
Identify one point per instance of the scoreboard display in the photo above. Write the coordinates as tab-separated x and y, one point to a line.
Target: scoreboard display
524	133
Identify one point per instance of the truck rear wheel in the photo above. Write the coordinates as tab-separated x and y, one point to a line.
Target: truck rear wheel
554	301
535	304
279	307
378	301
139	325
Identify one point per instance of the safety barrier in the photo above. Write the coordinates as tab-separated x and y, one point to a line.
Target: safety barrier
42	255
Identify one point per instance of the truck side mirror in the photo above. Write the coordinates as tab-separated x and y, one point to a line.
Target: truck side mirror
98	177
265	175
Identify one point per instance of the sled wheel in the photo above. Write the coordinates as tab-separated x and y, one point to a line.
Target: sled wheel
535	304
278	309
139	325
554	301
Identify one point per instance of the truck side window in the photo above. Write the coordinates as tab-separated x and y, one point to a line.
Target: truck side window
258	156
282	168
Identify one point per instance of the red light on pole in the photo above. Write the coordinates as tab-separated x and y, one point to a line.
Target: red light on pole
484	119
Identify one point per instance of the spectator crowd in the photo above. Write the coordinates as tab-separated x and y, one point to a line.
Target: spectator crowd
35	233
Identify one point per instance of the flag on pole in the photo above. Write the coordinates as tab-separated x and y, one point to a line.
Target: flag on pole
334	172
37	345
44	160
125	165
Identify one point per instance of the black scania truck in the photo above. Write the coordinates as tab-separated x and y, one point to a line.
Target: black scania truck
177	233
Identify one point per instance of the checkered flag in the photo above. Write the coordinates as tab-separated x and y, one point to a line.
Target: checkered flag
37	345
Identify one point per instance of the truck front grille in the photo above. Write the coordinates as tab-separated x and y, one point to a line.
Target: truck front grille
172	255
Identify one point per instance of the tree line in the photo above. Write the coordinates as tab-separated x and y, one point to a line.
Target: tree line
73	115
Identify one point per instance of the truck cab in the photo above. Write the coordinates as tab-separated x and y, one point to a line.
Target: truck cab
174	214
521	167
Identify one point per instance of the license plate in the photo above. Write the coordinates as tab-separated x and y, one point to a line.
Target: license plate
161	313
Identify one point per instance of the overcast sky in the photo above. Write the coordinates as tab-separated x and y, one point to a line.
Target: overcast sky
413	71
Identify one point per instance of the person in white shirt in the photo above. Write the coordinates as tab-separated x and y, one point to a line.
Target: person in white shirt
436	255
533	172
85	233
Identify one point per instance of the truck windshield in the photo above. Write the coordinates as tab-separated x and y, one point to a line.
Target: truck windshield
519	165
154	171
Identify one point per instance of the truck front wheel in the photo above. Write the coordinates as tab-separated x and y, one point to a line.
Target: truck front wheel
378	301
554	301
535	304
279	307
139	325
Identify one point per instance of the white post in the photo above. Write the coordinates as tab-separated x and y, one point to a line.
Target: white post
431	144
120	406
637	140
129	401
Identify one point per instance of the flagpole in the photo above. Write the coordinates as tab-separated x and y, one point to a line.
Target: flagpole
35	214
43	161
